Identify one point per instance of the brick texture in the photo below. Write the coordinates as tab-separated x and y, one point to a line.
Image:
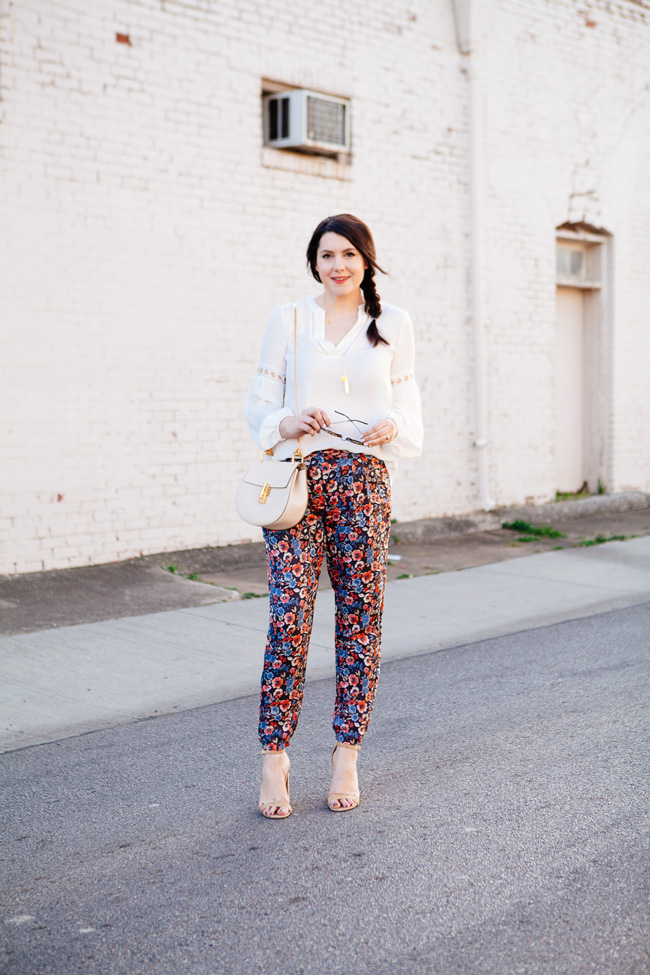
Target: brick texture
146	234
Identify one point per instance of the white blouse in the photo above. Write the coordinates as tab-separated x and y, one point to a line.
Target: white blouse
355	378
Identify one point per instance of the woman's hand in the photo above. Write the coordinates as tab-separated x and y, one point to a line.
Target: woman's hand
311	421
381	434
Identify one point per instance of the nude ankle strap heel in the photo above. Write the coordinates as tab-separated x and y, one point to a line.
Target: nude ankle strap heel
268	802
353	797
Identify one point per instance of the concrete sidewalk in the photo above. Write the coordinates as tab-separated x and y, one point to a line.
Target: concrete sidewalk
198	577
61	682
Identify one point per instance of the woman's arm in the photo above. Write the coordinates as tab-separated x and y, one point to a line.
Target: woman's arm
264	408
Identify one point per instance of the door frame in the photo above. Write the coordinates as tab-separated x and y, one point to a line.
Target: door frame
595	283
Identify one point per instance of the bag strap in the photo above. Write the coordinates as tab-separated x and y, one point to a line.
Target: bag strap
298	450
295	371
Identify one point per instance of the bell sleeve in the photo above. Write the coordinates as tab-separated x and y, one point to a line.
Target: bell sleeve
264	407
406	406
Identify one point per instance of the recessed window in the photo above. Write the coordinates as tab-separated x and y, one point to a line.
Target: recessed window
570	262
578	263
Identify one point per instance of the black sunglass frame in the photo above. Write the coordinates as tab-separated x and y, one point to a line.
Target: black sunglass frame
341	436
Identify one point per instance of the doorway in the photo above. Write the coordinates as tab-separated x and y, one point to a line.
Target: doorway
569	391
581	401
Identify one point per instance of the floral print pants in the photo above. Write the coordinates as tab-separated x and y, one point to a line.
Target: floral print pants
348	520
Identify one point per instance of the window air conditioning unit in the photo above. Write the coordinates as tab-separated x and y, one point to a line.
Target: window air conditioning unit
302	119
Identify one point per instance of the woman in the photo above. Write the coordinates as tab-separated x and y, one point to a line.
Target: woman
361	411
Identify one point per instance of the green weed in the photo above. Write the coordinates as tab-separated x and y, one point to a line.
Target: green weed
532	531
173	568
570	495
600	539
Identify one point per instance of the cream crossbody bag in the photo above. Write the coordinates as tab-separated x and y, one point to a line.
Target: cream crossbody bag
273	493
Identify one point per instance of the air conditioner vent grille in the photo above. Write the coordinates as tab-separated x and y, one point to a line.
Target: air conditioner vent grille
325	120
279	119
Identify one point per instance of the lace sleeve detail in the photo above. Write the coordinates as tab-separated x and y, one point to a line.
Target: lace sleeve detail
267	373
398	380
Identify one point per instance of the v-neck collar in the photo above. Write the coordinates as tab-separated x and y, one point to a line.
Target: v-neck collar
348	338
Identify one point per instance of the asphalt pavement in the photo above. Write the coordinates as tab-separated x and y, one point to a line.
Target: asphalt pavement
502	826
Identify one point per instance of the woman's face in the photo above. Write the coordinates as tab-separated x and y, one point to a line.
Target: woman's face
340	265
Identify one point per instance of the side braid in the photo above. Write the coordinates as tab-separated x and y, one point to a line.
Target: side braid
373	306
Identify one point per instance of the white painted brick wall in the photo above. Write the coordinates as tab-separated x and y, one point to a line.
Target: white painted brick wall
567	136
146	234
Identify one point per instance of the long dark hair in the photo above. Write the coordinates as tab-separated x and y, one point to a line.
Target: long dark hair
359	235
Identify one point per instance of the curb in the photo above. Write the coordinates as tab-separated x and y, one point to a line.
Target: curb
450	527
480	521
559	510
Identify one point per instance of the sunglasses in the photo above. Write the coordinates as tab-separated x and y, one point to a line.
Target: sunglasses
348	419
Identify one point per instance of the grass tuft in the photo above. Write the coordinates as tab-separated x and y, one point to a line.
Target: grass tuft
600	539
532	532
